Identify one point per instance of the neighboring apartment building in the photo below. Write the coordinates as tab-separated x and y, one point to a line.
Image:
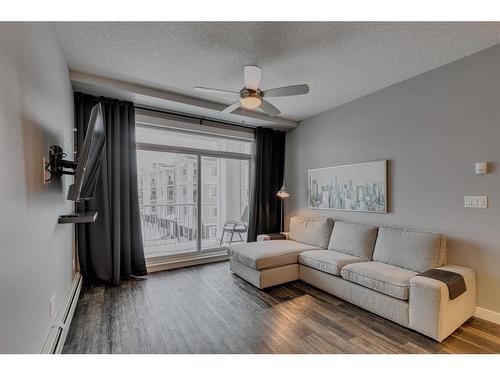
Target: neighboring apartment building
168	200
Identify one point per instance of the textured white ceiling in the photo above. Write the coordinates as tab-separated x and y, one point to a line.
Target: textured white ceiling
340	61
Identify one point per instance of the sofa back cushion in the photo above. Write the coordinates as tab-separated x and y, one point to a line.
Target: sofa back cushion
314	231
353	239
411	249
443	251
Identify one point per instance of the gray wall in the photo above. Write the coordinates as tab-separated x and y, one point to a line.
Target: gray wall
36	254
432	128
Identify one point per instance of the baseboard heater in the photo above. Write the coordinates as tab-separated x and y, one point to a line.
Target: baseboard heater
57	334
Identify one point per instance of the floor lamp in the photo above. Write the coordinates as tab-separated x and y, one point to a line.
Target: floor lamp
283	194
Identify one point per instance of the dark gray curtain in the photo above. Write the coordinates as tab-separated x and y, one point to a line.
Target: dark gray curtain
269	164
110	249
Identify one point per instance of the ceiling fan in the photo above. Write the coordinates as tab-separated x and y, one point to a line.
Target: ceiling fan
252	97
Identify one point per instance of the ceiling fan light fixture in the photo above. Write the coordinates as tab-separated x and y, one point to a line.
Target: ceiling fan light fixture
250	101
252	97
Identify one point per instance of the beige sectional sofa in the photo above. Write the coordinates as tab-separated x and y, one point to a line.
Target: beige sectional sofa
375	268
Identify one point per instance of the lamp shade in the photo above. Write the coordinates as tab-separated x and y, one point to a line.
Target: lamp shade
283	193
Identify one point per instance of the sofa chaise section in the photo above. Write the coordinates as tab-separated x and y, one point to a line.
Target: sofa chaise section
259	255
267	263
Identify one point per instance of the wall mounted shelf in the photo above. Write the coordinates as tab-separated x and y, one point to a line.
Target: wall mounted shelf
78	217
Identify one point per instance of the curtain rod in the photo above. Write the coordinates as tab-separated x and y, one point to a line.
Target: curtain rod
180	114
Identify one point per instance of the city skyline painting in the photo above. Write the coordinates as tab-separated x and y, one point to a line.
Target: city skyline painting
351	187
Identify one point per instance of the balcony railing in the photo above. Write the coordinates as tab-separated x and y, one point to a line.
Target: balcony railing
171	228
168	225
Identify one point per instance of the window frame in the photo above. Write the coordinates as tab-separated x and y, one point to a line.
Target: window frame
210	195
210	231
212	216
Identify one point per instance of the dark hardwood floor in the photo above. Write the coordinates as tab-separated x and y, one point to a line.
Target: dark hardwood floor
207	309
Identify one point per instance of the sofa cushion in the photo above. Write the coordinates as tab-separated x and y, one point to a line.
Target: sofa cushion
443	251
384	278
327	260
415	250
267	254
314	231
353	239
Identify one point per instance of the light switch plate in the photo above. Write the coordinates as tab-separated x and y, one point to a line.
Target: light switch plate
476	201
481	168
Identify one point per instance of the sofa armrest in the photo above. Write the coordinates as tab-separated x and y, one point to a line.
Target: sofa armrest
273	236
432	312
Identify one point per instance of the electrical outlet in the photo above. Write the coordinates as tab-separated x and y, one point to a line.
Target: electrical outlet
482	201
52	305
476	201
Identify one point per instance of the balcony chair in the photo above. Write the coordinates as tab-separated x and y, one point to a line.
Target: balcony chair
235	226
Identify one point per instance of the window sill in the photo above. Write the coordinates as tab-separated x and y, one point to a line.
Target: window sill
168	263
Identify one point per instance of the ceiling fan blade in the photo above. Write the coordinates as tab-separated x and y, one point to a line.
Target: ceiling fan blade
287	91
231	108
269	109
252	77
209	90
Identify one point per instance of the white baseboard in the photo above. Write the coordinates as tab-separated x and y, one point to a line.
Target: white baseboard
489	315
57	334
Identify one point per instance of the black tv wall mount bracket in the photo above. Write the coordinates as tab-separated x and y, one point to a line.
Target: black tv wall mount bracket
57	165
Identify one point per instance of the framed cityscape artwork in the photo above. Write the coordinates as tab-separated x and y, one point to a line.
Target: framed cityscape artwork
351	187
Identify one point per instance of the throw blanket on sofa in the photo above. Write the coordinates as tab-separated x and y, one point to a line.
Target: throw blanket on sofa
454	281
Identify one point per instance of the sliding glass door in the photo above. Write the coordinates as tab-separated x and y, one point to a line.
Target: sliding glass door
224	208
193	191
168	202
